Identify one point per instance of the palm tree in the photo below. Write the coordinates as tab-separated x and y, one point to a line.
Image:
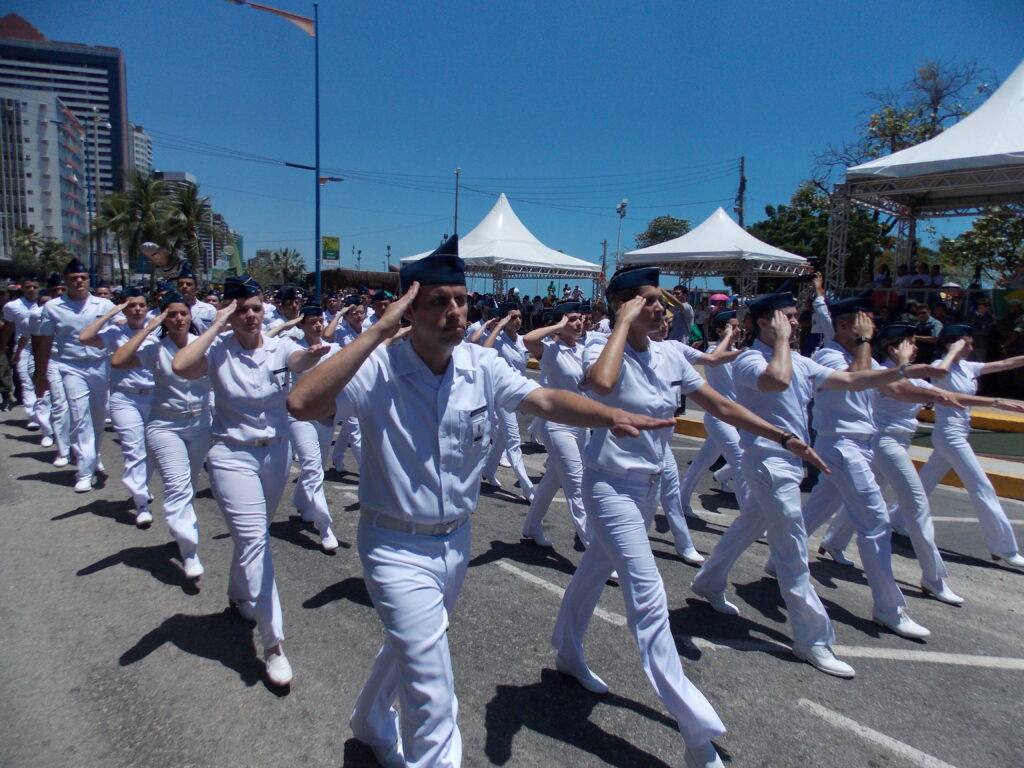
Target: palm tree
27	244
189	216
148	210
54	256
291	265
115	219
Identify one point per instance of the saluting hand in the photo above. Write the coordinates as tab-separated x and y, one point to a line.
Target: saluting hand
629	424
224	313
904	351
156	322
630	310
391	321
780	326
863	325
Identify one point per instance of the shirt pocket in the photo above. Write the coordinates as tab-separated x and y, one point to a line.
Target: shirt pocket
279	378
475	425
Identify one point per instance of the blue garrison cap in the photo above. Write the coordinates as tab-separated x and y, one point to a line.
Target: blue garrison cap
632	277
585	308
508	306
362	290
242	287
186	271
565	308
859	303
721	318
172	297
768	304
289	293
383	295
30	277
331	295
75	267
54	280
894	332
547	317
311	308
352	301
164	287
956	330
442	267
133	292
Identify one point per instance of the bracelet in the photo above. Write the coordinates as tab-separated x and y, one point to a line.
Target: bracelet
785	438
903	370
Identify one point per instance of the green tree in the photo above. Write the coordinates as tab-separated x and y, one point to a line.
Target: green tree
661	230
188	217
992	248
290	266
149	210
264	271
114	219
27	245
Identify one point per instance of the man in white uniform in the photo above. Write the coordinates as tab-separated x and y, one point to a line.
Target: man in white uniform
203	314
427	410
15	331
84	371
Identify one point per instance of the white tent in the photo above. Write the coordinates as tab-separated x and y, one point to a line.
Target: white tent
719	247
501	246
992	135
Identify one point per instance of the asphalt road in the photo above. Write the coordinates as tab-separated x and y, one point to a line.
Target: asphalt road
107	660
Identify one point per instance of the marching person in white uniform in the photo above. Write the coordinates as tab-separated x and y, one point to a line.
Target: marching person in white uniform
895	420
203	314
504	338
178	424
131	395
342	331
773	380
426	407
621	487
311	441
52	407
249	459
15	331
953	451
378	306
83	370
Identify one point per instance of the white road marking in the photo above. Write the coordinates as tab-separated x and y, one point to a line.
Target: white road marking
941	519
907	752
612	618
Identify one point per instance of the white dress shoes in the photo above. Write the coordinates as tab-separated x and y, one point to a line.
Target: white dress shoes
1014	561
942	593
691	556
279	671
538	538
900	623
824	660
490	481
702	756
46	442
836	554
61	461
246	609
143	518
85	484
715	600
329	542
582	674
193	568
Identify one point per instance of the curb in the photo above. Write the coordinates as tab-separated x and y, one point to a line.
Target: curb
986	419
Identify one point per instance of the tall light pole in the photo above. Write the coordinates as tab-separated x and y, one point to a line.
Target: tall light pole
389	258
621	210
317	267
93	180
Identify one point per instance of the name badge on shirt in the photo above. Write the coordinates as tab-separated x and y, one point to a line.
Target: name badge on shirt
479	429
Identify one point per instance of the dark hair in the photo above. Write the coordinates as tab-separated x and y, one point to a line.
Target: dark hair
191	324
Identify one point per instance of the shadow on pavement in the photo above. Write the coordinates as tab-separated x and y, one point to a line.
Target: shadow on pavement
220	637
61	477
118	511
525	552
698	619
559	708
40	456
294	531
357	755
159	561
352	589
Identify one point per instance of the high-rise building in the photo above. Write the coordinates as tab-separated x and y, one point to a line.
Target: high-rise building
90	80
141	150
42	170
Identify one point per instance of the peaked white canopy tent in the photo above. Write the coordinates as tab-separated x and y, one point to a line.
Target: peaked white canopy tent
502	248
719	246
973	167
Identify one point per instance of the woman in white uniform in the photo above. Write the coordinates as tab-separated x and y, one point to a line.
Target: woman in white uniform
949	439
249	458
621	487
178	424
131	395
342	330
505	339
311	441
561	364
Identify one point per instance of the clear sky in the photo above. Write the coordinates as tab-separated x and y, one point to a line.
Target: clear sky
568	107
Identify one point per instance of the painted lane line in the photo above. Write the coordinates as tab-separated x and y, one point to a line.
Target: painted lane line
941	519
612	618
907	752
931	657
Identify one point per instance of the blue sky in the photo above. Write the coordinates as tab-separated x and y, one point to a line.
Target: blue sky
566	104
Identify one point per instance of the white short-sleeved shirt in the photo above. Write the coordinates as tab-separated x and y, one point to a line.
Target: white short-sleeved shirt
370	319
962	379
720	377
303	344
685	351
841	412
649	383
561	366
345	334
514	352
271	317
172	395
35	319
115	337
203	315
895	417
64	319
426	437
250	387
821	320
786	410
17	313
603	326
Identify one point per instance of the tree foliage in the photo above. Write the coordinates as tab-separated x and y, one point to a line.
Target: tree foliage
993	247
282	267
661	230
35	253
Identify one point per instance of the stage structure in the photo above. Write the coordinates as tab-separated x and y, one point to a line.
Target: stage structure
719	247
972	168
501	248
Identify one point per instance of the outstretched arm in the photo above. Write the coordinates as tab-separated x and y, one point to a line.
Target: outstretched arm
190	361
578	411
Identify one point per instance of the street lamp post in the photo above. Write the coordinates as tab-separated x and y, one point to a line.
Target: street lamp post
621	210
93	180
389	258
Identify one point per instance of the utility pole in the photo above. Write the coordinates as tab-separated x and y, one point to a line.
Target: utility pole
604	264
455	228
621	210
389	258
741	192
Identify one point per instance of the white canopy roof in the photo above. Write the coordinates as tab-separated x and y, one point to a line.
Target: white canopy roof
718	238
501	243
992	135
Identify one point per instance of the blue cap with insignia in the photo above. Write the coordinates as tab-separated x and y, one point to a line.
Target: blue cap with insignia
767	304
632	277
955	331
723	317
75	267
565	308
172	297
895	332
241	288
859	303
442	267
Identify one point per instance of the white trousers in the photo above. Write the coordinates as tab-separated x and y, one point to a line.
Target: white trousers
248	482
620	510
311	441
348	435
85	387
414	582
773	484
671	501
893	466
129	413
564	470
952	451
55	410
24	369
853	481
722	440
506	440
177	449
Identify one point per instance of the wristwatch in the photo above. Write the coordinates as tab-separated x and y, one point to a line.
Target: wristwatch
861	340
903	370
